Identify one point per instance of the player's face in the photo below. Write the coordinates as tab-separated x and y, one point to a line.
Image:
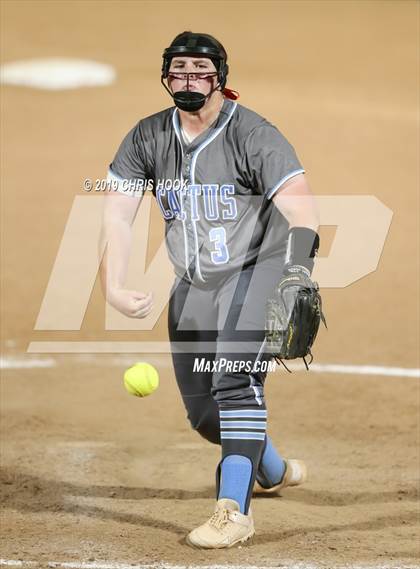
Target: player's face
192	74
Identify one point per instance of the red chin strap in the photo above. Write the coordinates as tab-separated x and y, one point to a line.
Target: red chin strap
230	94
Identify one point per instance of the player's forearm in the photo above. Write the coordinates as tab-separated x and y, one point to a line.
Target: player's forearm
297	204
116	244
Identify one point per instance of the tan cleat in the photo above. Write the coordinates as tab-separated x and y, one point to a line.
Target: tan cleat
295	474
226	528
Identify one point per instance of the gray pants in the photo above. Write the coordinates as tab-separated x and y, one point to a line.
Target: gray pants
223	323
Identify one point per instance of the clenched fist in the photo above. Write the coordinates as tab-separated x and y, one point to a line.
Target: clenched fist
131	302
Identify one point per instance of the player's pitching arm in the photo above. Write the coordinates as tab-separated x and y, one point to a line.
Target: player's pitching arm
115	240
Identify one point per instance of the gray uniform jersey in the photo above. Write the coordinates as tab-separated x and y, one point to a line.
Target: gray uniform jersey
214	193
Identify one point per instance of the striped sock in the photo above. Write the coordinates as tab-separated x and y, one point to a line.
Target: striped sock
243	424
242	434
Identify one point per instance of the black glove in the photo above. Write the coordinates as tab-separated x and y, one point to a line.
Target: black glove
293	316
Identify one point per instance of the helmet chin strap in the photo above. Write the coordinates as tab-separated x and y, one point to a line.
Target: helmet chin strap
189	101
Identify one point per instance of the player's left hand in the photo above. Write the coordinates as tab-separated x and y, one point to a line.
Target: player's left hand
293	315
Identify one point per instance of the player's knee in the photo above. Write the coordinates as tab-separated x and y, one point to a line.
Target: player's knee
206	422
248	396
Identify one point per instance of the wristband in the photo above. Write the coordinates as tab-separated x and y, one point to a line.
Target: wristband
302	247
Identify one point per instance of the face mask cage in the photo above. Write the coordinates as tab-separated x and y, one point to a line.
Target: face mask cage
194	75
191	77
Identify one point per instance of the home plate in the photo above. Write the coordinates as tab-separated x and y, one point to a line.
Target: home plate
57	73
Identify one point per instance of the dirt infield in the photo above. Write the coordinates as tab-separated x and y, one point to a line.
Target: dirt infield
90	474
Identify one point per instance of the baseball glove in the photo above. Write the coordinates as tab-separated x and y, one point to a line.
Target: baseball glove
293	317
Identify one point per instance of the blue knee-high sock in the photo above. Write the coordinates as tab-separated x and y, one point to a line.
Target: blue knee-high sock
235	478
272	466
242	433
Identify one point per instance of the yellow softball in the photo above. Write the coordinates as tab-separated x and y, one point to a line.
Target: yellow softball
141	379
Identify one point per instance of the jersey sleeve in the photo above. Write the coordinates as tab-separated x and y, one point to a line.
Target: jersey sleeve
270	160
128	173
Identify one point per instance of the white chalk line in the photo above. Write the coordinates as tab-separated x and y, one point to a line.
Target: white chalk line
30	363
363	370
111	565
13	362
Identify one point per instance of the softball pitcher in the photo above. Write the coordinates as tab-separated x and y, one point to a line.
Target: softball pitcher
240	219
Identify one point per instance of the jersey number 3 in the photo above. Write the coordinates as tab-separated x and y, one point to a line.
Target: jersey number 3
221	254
